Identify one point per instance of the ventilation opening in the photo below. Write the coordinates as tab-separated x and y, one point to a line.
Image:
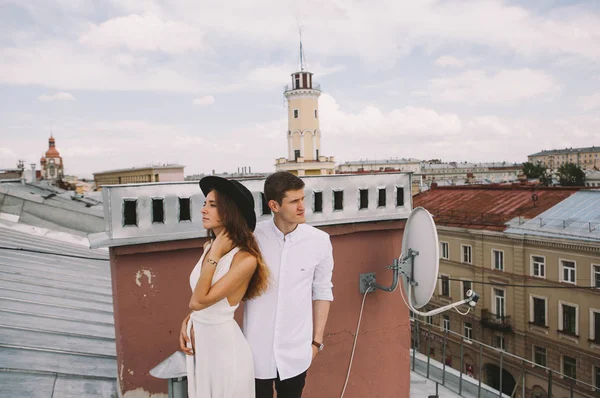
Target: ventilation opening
363	199
129	212
184	209
318	205
265	205
399	196
381	198
158	210
338	200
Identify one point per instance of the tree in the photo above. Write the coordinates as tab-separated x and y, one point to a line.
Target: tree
570	174
537	170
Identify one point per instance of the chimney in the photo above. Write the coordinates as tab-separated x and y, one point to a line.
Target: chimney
32	172
249	170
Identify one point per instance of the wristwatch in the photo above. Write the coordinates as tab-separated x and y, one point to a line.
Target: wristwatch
319	346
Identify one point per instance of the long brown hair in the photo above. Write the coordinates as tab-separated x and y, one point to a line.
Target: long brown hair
242	237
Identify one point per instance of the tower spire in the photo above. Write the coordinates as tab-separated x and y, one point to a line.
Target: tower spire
302	56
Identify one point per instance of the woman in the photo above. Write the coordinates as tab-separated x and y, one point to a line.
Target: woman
231	269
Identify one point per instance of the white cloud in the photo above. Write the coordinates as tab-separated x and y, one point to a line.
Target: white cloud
507	86
205	100
57	97
144	33
590	102
449	61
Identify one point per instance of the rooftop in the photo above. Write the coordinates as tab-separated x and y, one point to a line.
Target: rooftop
577	217
56	317
149	167
566	151
488	207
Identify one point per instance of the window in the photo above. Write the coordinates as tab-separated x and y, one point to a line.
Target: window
430	320
265	205
444	249
567	271
338	200
538	266
539	311
381	198
363	200
296	113
597	376
595	326
158	210
567	319
499	303
445	288
466	254
569	366
499	342
498	259
129	212
468	331
466	286
296	154
399	196
184	209
539	355
596	275
318	205
446	323
316	114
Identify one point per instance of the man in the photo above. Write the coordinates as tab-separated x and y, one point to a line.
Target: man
285	326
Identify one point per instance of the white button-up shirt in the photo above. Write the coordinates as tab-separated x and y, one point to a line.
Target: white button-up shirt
279	324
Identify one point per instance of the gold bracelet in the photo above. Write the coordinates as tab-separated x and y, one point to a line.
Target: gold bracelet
211	261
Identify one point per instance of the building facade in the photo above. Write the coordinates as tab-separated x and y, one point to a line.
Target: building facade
51	162
139	175
539	287
586	158
304	135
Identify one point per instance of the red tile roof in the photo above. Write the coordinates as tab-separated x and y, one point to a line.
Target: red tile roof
488	207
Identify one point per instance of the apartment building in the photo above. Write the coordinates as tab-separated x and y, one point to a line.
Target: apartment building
586	158
533	256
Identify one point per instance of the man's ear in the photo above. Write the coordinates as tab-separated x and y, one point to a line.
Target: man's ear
274	206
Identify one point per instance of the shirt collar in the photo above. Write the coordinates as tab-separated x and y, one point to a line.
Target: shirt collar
292	236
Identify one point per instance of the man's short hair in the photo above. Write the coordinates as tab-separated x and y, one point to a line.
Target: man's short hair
277	184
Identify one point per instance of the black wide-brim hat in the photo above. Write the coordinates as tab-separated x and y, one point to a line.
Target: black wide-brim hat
236	191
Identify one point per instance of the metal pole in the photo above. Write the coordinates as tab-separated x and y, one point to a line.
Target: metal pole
462	365
428	349
501	363
550	383
444	358
572	388
523	379
416	328
480	370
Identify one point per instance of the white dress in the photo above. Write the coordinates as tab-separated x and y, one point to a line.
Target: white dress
222	364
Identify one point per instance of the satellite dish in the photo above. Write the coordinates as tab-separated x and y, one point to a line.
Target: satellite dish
418	265
420	237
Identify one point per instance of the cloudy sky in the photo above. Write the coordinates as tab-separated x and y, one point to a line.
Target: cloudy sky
124	83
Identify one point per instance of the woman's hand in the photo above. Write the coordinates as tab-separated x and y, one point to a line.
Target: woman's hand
221	245
184	338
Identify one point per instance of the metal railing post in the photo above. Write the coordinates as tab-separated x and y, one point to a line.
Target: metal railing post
444	358
480	370
501	365
462	365
428	349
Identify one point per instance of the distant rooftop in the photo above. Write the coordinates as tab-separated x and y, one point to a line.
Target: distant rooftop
488	207
380	161
576	217
566	151
149	167
57	334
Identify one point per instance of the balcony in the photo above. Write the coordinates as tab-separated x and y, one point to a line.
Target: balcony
496	322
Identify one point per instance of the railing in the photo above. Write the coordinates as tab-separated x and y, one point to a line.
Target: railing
497	322
468	381
315	86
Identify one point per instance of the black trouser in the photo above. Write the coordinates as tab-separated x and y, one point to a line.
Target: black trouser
288	388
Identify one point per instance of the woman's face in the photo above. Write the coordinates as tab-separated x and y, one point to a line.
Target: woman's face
210	214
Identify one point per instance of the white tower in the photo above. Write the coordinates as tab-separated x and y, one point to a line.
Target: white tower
304	136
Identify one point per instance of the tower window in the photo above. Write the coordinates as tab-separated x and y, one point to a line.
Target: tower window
338	200
265	205
296	113
296	154
158	210
399	196
318	205
381	201
130	212
184	209
296	81
363	199
316	114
